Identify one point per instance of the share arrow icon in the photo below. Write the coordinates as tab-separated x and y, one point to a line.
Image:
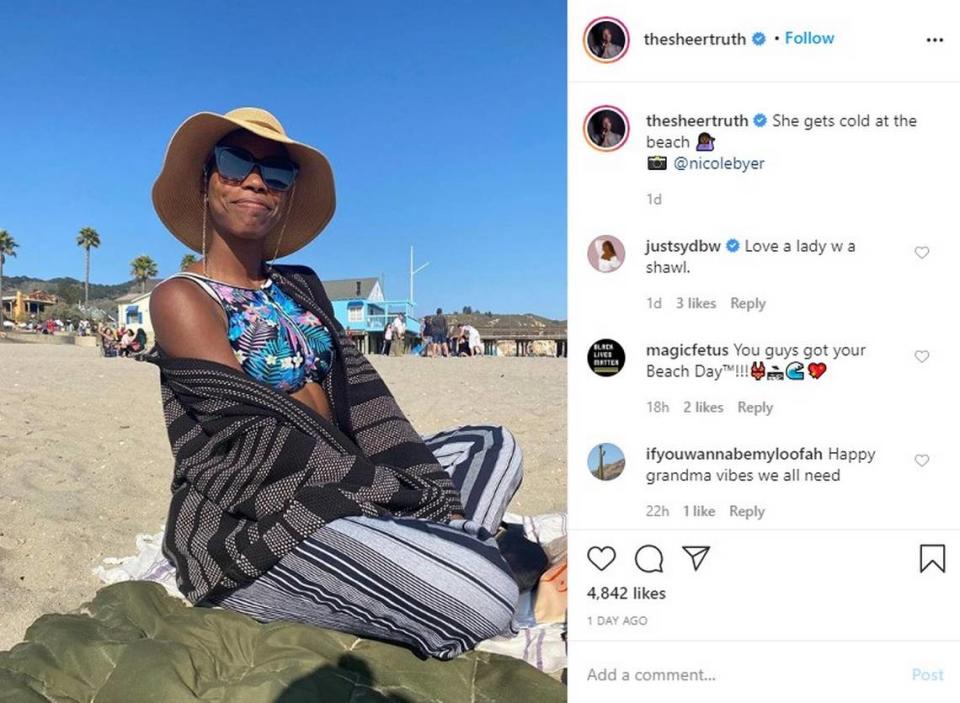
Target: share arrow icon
697	555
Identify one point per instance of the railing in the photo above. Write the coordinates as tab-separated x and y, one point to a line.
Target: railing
387	311
524	333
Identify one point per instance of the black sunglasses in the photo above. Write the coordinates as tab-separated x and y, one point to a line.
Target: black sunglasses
235	164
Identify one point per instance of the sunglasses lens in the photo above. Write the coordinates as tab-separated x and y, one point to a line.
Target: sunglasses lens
234	164
278	174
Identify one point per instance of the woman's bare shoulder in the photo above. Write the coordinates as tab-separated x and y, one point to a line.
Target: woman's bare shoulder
174	298
188	323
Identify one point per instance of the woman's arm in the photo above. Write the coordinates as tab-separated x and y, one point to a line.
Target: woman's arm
189	324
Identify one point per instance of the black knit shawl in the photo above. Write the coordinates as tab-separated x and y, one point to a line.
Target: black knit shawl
256	471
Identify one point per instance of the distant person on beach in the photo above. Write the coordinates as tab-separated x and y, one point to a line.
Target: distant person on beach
425	335
125	341
438	326
399	331
473	340
387	338
107	340
139	343
463	341
292	458
453	340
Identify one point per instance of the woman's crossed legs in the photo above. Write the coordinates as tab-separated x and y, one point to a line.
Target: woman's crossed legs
438	588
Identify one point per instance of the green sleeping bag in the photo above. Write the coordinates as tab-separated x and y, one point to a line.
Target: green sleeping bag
135	644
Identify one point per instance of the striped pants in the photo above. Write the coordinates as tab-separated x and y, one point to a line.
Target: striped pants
439	588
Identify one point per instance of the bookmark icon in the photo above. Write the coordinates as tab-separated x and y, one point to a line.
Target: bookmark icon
933	555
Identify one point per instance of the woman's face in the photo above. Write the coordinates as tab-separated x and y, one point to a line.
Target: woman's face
607	35
607	123
246	209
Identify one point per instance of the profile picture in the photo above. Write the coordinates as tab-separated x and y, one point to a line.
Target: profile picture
606	462
606	128
606	253
606	39
606	357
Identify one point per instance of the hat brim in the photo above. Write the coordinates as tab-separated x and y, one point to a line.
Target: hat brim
178	190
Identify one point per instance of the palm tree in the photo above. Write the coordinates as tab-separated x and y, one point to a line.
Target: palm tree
142	268
87	238
7	248
186	261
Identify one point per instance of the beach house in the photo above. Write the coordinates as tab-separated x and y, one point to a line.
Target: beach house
133	310
33	305
363	310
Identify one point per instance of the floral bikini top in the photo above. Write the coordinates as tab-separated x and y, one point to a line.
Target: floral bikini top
274	339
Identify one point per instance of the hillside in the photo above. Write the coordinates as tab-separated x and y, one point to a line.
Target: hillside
70	290
612	471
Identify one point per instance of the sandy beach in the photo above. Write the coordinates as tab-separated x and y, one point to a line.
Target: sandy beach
85	464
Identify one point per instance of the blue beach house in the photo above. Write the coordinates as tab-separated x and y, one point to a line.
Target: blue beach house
360	306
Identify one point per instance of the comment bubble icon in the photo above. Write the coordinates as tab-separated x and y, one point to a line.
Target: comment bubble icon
649	559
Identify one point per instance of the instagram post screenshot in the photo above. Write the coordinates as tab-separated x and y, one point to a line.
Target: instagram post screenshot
283	362
532	352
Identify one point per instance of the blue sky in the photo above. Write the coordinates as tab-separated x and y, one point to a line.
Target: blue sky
444	122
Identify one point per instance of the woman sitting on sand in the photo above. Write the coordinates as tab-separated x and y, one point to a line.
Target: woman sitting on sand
126	341
301	492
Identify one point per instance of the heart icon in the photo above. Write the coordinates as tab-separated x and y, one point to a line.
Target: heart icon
921	252
601	557
922	459
922	355
817	370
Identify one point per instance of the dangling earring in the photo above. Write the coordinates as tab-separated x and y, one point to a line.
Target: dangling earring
203	247
286	217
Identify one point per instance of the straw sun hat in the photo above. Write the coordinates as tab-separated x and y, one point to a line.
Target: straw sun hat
178	193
